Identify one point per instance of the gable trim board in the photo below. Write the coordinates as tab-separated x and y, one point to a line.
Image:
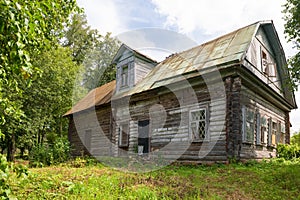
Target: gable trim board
163	93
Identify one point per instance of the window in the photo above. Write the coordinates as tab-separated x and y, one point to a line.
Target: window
269	131
274	133
198	125
263	130
268	68
124	75
282	134
248	125
123	135
258	129
87	139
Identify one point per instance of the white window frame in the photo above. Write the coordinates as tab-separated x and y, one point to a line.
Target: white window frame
245	128
206	135
120	133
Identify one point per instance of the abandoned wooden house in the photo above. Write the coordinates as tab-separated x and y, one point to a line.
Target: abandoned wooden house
224	99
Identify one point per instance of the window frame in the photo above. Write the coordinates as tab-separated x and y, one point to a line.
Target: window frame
282	133
245	123
125	75
120	134
206	133
263	134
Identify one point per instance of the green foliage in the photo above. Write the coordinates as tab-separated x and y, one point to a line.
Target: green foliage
6	171
92	50
272	179
292	26
287	151
49	97
48	154
26	28
295	139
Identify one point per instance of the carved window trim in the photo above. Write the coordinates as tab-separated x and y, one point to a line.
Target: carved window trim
248	127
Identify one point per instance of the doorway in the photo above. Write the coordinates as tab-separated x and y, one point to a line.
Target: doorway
143	135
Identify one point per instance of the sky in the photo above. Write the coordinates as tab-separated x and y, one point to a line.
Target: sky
191	21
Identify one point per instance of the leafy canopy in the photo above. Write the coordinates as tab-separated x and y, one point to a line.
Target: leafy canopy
292	30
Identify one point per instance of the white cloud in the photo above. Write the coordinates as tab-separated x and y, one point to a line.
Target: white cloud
103	15
215	17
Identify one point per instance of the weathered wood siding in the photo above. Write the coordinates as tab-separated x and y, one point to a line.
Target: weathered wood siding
253	60
267	109
168	112
98	125
142	68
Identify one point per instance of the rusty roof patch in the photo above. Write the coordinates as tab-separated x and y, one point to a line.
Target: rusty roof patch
95	97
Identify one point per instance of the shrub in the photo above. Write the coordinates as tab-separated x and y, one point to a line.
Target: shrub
287	151
49	154
6	170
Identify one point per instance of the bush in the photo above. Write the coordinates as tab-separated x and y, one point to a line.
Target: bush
287	151
48	154
6	171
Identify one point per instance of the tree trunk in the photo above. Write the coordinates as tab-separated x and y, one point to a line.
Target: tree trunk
11	148
22	150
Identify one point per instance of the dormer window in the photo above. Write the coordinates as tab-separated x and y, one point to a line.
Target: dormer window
124	76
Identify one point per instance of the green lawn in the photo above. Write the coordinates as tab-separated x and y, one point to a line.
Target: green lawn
272	180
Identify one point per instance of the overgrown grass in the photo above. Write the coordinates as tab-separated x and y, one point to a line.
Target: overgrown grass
277	179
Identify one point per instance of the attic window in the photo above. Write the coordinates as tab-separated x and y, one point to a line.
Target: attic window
124	75
268	68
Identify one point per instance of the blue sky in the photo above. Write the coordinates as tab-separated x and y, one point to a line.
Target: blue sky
193	21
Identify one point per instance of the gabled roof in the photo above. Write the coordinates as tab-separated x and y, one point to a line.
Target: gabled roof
223	51
226	49
124	47
98	96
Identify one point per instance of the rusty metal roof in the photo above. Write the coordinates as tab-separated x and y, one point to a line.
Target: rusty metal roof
95	97
225	49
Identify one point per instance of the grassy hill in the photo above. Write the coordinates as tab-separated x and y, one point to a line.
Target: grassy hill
277	179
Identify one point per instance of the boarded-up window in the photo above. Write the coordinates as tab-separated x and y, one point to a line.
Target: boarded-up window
87	139
124	75
123	135
198	125
248	125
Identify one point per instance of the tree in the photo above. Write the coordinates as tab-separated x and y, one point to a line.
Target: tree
25	27
295	139
292	30
80	38
92	50
50	95
98	67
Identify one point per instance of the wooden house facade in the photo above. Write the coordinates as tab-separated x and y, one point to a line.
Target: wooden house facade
224	99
